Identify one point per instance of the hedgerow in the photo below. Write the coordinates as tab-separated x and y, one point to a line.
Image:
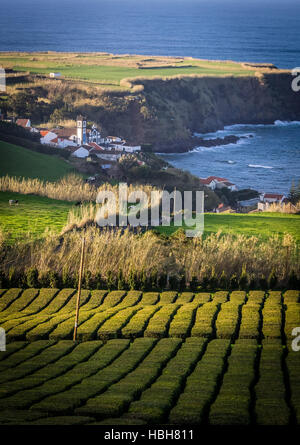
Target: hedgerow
8	298
232	405
137	324
69	400
168	297
182	322
250	322
117	398
70	306
271	407
293	368
60	300
48	355
98	360
200	386
113	326
12	348
96	300
132	298
27	296
272	316
227	320
30	350
45	326
157	401
159	323
204	320
185	297
113	298
201	298
220	296
149	298
88	329
65	329
80	353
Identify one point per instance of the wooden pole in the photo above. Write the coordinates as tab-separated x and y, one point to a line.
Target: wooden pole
79	288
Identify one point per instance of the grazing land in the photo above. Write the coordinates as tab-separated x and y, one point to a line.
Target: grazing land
169	358
21	162
35	214
109	69
263	225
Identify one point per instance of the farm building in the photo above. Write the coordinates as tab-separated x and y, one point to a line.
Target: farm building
214	182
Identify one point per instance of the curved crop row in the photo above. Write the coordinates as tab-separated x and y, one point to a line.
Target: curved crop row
183	320
232	404
228	319
157	401
137	324
271	407
201	384
77	395
204	321
159	323
117	398
272	316
98	361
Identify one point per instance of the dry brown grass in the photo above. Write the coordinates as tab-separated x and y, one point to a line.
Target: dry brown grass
111	251
284	208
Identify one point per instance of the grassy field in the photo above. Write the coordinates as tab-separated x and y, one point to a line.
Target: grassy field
262	225
19	161
151	359
111	69
33	214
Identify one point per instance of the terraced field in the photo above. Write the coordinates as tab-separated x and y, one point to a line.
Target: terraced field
169	358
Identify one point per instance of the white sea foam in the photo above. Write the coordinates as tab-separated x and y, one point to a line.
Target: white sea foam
286	123
259	166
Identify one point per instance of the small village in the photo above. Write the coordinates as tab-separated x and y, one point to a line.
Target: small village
87	145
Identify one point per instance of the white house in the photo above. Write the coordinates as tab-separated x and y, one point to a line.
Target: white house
81	152
214	182
126	148
272	197
55	75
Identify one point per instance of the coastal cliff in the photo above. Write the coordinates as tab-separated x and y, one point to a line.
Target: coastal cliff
168	111
161	113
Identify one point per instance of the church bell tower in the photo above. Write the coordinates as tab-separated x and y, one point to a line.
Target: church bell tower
81	130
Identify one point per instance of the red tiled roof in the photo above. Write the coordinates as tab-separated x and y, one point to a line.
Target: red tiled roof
64	132
96	146
213	178
273	196
43	133
55	140
22	122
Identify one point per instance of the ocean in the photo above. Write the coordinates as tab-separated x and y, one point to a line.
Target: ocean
254	31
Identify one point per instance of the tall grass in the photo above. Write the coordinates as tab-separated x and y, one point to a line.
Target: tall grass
112	251
284	208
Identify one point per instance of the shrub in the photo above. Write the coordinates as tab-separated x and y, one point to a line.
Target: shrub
162	281
54	281
111	281
243	280
32	277
223	282
233	282
272	281
66	278
194	284
121	281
